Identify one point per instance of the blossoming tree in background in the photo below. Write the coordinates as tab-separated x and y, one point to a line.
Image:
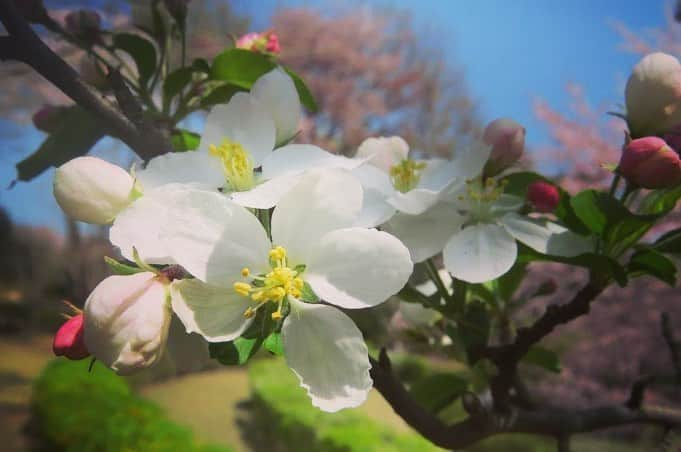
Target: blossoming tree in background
235	239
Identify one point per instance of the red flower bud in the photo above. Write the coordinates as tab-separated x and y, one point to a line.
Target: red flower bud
69	340
649	162
544	197
47	118
507	139
84	24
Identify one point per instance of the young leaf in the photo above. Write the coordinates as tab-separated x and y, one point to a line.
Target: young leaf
544	358
509	282
435	392
141	50
119	268
236	352
306	97
660	202
653	263
307	294
184	140
274	344
240	67
669	242
77	134
175	82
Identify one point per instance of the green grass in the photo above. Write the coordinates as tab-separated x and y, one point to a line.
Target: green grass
80	411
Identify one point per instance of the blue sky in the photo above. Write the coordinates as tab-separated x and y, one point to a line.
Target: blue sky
511	51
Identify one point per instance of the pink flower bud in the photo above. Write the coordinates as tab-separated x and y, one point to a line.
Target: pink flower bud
69	340
650	163
507	139
265	42
544	197
47	118
84	24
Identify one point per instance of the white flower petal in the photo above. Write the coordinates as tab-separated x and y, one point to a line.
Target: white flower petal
507	203
358	268
546	237
429	288
439	175
480	253
418	316
243	120
192	167
372	177
375	209
323	200
326	351
213	238
267	194
415	201
140	224
296	158
126	321
277	93
383	152
425	235
469	162
215	313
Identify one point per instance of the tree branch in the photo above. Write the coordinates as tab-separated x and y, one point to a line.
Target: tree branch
24	45
480	424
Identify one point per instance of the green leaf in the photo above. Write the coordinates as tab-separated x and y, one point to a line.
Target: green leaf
669	242
184	140
274	345
609	219
436	391
411	295
201	65
175	82
473	329
517	184
141	50
77	134
653	263
544	358
660	202
218	93
240	67
236	352
119	268
597	263
509	282
306	97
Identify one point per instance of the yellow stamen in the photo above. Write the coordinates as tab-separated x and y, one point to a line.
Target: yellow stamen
406	174
236	164
245	272
242	288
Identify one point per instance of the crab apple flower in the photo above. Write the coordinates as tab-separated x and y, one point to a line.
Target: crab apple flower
68	341
476	228
392	182
507	139
238	270
653	95
127	320
543	196
92	190
239	138
650	163
266	42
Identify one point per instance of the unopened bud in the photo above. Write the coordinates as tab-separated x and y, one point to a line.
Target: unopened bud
265	42
32	10
48	118
69	340
507	139
84	24
543	196
127	320
92	190
650	163
653	95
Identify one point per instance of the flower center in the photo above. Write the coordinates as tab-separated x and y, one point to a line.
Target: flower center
236	164
481	197
274	286
406	174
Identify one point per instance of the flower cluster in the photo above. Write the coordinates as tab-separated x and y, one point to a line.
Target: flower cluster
252	236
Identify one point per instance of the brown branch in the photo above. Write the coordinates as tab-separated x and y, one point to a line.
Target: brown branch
672	344
24	45
480	424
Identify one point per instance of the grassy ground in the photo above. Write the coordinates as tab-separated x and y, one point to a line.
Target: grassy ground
207	402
